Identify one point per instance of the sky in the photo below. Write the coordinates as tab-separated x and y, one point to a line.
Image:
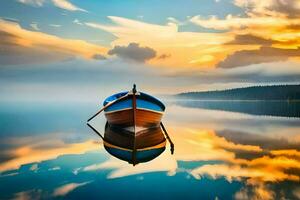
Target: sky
76	50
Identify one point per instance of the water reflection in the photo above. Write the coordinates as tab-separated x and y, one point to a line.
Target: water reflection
36	149
269	108
143	146
218	154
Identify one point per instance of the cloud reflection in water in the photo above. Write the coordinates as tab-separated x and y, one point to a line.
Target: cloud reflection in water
210	146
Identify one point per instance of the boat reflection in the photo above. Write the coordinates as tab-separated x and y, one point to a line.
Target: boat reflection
146	145
143	146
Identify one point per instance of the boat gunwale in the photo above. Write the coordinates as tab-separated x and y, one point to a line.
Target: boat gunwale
157	146
141	96
144	109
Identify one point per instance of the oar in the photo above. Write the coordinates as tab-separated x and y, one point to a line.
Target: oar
107	105
168	138
95	131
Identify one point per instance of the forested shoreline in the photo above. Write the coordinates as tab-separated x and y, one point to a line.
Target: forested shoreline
273	92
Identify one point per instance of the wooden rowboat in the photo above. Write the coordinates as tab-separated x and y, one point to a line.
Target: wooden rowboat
134	131
133	109
134	148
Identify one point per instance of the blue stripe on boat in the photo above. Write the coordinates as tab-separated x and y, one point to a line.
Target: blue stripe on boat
147	105
144	101
113	97
141	156
126	103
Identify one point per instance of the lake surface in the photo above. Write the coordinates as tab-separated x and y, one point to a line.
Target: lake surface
222	151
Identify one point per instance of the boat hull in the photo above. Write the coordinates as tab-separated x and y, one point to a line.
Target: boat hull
125	118
126	139
134	109
134	148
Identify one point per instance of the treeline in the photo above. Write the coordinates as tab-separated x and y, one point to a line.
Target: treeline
272	92
265	108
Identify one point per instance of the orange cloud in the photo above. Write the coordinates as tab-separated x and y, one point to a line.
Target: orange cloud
202	49
272	26
286	152
188	49
205	145
259	192
32	153
259	170
19	43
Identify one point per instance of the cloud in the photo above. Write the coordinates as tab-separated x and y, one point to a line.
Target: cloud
36	3
76	21
205	145
55	25
265	142
262	24
99	57
248	39
271	23
266	167
67	188
133	52
54	168
289	7
258	192
21	46
262	169
262	55
175	21
277	28
29	194
236	22
211	146
63	4
164	56
269	13
35	26
262	73
10	19
34	152
34	167
66	5
183	46
164	163
287	152
207	50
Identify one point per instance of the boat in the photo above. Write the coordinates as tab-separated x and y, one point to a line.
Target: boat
133	131
133	109
134	148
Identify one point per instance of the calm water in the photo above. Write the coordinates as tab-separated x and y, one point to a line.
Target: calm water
222	151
